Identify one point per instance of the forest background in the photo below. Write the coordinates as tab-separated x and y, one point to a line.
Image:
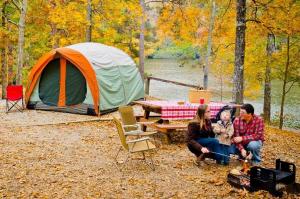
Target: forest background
248	46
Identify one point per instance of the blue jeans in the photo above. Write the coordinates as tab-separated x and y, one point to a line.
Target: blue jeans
212	144
253	146
225	150
233	149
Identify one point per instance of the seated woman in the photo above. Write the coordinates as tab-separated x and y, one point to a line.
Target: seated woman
201	138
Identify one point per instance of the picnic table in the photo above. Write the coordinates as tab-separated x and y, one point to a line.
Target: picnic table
171	110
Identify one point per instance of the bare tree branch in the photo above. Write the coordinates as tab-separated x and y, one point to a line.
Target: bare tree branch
15	2
259	22
155	1
220	45
12	22
227	8
177	2
288	90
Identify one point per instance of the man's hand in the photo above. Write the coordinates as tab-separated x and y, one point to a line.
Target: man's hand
244	153
204	150
249	157
238	139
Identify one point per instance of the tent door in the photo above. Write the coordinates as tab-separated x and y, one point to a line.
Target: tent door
75	85
62	84
49	83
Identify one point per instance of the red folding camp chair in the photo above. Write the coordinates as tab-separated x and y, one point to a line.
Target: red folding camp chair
14	94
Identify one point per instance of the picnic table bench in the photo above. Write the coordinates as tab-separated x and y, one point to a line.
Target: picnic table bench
166	129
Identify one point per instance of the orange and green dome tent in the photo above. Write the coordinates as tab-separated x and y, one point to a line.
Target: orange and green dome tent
85	78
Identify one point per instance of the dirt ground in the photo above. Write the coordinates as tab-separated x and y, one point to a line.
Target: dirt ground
76	161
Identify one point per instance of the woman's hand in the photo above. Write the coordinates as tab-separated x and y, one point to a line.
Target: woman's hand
204	150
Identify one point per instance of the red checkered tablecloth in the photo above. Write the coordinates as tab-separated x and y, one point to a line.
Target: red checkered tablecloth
171	110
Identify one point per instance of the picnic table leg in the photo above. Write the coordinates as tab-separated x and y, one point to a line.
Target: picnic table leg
166	138
146	116
166	122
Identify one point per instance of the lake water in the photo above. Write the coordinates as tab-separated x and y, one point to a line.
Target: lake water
191	74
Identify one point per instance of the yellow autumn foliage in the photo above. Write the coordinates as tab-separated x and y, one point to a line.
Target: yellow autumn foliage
189	24
57	23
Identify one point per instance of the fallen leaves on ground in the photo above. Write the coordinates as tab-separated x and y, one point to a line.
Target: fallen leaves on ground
77	161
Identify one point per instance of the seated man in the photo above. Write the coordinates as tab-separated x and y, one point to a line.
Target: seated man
249	133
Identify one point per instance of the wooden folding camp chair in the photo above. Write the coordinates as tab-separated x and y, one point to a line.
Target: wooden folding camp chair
130	125
14	94
141	145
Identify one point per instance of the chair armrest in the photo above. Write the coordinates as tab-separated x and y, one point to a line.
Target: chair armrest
134	132
145	123
131	125
138	140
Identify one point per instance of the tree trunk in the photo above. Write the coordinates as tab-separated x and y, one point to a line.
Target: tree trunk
3	54
221	78
267	91
284	82
238	78
10	63
209	43
21	41
3	72
88	36
142	40
54	38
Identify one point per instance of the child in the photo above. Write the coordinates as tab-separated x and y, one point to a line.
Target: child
224	131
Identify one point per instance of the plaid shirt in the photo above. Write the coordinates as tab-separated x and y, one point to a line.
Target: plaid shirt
252	131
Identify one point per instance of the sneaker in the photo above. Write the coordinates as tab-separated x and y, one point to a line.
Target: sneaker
221	162
235	157
200	163
226	163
